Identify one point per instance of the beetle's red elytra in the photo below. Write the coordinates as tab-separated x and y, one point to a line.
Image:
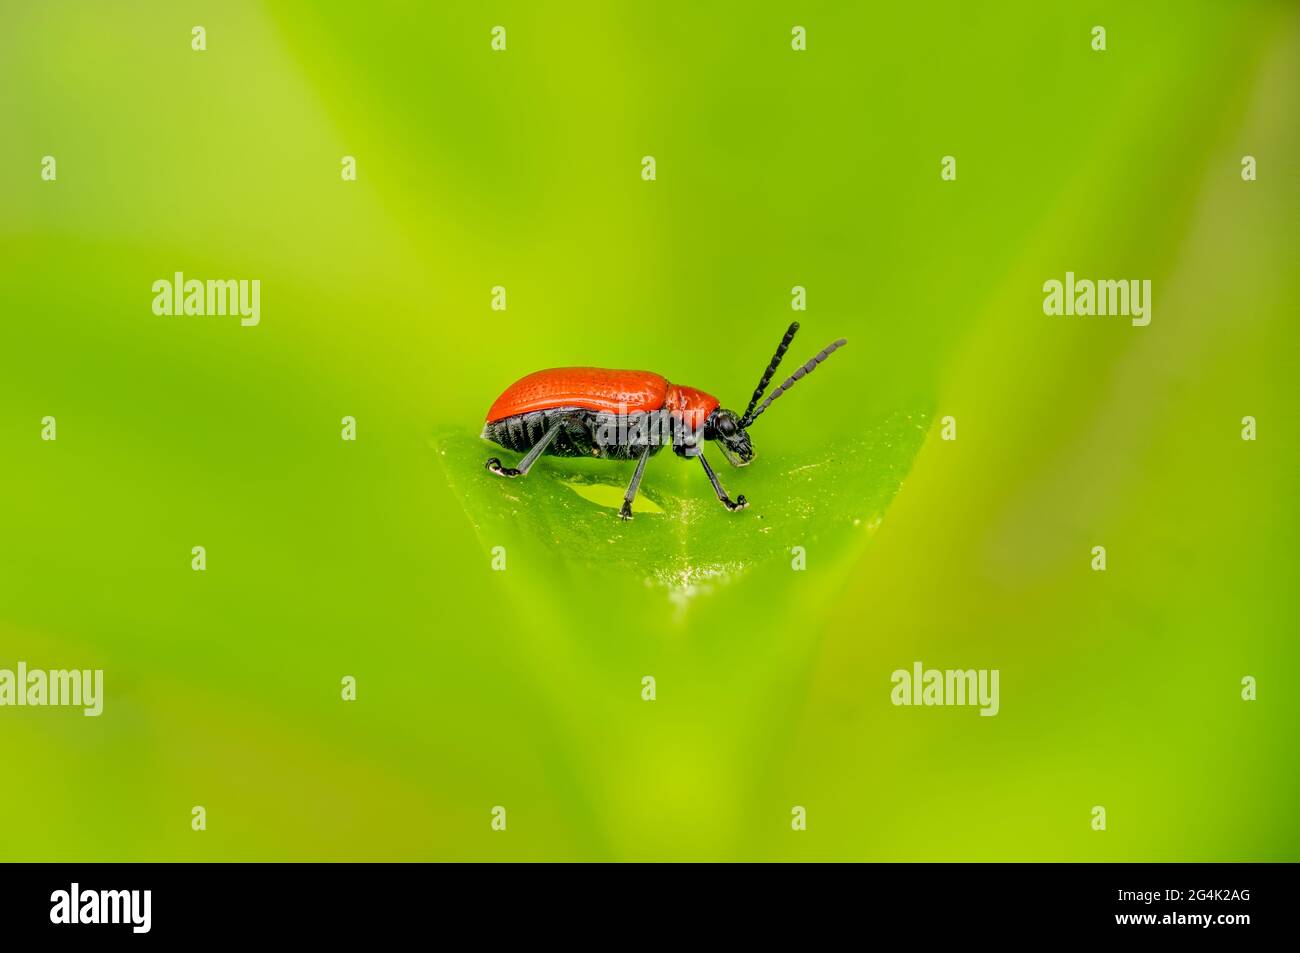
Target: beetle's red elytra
629	415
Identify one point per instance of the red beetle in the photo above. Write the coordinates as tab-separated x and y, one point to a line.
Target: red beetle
628	415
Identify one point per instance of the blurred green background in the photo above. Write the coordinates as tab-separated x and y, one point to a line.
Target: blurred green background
522	688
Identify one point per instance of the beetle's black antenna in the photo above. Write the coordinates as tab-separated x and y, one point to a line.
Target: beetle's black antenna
767	374
793	378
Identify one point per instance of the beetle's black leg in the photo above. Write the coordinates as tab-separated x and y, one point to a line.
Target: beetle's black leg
740	502
630	495
530	458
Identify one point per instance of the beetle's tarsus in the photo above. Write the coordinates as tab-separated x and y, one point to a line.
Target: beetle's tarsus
526	464
732	505
626	512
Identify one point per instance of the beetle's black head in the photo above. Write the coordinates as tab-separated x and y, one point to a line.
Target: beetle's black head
725	427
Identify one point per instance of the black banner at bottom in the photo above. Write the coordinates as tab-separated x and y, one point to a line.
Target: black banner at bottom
170	902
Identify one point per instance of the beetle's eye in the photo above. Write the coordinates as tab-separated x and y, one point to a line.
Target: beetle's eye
726	426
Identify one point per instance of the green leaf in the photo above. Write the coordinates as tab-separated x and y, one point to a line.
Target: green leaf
828	496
